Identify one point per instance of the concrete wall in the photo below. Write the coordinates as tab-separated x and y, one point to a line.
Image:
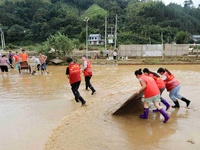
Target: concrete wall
154	50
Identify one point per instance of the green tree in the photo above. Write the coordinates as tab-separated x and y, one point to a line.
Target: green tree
182	37
61	43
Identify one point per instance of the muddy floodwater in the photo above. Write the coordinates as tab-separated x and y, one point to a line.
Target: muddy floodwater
39	112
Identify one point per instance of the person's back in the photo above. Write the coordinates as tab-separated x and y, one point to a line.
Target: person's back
74	74
151	87
3	61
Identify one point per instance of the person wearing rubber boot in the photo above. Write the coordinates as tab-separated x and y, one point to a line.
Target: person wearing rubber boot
161	86
87	71
73	74
151	94
173	87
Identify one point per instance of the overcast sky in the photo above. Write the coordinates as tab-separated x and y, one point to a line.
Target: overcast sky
181	2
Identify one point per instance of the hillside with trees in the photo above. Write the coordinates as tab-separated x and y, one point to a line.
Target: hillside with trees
27	22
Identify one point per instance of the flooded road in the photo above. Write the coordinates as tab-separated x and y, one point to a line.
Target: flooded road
39	112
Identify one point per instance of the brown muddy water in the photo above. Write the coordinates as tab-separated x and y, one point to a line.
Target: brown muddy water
39	112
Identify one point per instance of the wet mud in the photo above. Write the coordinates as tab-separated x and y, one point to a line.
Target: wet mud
39	112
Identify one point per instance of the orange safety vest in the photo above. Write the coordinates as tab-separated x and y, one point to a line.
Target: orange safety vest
74	73
160	83
151	87
170	82
88	70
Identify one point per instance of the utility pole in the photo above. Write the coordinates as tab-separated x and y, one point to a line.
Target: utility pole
2	39
116	32
163	48
105	31
86	20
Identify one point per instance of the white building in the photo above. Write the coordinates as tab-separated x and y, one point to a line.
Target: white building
95	39
196	37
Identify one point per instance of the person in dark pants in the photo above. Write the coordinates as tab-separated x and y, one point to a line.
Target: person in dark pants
87	70
10	57
73	73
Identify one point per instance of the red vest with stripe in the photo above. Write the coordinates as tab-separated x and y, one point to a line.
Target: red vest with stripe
74	73
88	70
170	82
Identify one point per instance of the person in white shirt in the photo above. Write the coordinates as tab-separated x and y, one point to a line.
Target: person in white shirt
37	64
115	55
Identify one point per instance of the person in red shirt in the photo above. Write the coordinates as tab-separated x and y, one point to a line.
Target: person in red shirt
151	94
173	87
160	83
73	74
16	60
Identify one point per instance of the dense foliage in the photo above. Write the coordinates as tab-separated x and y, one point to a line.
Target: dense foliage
26	22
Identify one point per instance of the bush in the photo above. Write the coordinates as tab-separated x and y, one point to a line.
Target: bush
11	46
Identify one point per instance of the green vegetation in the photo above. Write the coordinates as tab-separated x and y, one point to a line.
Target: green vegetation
31	22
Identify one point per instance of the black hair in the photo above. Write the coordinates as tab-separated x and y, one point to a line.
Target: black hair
84	56
69	59
163	70
138	72
3	55
146	70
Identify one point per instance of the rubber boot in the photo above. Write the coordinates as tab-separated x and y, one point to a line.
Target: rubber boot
186	101
93	90
146	113
155	110
165	103
176	104
165	115
82	100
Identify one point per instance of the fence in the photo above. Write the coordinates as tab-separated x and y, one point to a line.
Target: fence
154	50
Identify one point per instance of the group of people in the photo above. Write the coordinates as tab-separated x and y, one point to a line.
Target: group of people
114	54
153	85
73	72
40	63
14	59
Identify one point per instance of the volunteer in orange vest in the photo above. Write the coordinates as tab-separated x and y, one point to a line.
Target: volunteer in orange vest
173	87
160	83
151	94
87	70
24	56
73	74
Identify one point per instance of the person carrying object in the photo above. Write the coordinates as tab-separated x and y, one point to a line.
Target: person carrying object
173	86
151	94
23	56
160	83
